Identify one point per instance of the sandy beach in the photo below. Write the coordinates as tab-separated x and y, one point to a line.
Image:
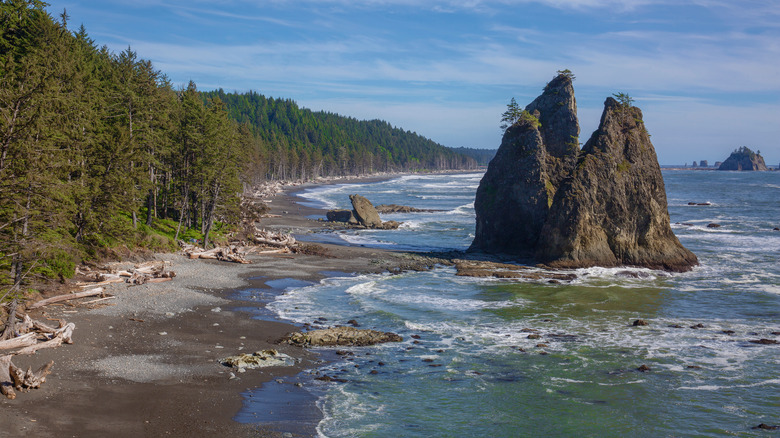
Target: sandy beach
148	363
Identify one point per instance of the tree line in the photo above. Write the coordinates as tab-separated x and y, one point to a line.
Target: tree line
99	152
297	143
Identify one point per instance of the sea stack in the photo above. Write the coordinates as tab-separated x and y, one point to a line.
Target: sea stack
514	196
744	159
604	205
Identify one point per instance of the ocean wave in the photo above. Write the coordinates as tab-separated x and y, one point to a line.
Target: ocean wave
730	386
465	209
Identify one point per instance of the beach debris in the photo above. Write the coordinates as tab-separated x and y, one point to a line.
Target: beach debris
67	297
237	252
258	359
232	253
13	379
276	239
23	335
475	268
341	336
141	273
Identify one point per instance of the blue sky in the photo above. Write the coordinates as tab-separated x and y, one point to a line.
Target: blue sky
706	73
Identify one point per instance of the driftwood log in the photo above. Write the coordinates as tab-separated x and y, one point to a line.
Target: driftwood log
66	297
26	341
13	379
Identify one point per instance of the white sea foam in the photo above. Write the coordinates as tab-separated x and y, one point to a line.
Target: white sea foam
719	387
367	288
465	209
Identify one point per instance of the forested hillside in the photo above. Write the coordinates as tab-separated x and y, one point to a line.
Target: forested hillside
298	143
98	151
481	156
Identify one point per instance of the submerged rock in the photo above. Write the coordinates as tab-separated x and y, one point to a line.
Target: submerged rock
605	205
764	341
471	268
342	336
764	426
393	208
341	216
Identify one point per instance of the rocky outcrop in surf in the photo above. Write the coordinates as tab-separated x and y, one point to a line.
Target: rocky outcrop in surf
604	205
744	159
363	214
341	336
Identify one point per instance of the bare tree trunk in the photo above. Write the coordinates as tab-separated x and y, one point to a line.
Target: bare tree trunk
184	209
149	207
210	220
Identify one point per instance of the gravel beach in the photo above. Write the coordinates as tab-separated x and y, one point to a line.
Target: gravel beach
148	363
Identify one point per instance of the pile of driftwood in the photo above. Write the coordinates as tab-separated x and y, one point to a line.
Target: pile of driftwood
232	253
273	239
148	272
258	242
23	335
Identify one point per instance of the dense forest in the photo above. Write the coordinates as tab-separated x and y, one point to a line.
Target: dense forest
99	152
297	143
481	156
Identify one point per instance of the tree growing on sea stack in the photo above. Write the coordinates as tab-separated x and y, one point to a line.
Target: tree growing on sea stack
543	199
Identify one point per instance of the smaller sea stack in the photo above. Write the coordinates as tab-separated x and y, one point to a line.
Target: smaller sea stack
744	159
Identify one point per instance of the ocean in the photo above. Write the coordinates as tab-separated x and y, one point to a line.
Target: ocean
508	358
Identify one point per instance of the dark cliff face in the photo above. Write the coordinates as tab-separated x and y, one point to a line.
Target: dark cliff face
602	206
515	194
612	211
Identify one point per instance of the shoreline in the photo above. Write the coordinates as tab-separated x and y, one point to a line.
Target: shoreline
148	364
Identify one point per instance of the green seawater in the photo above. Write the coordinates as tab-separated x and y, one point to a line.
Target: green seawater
508	358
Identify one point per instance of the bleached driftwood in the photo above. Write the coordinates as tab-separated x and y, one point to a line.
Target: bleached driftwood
56	341
13	379
27	380
24	340
276	239
150	272
231	253
66	297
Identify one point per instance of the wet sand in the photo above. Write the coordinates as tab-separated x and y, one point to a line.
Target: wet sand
148	365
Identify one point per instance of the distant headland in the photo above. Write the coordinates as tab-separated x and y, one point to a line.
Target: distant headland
742	159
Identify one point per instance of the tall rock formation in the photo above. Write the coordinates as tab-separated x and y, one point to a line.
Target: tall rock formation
744	159
515	194
545	200
612	210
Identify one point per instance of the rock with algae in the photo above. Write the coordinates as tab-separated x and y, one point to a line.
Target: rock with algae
258	359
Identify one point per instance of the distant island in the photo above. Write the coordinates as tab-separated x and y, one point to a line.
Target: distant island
744	159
